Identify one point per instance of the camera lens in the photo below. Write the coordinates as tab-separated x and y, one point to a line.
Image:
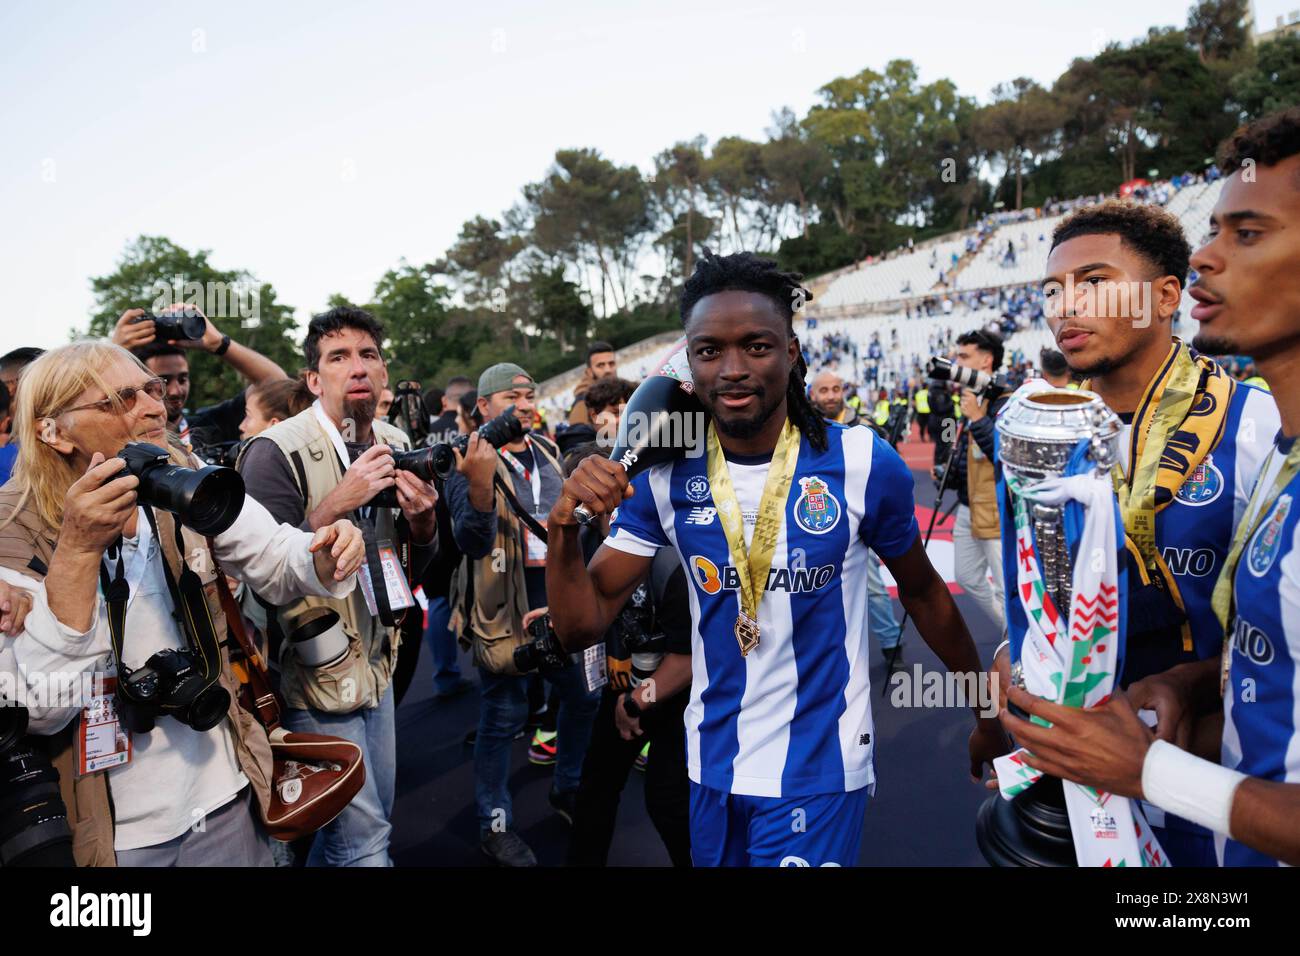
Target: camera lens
215	501
207	709
205	499
13	724
418	462
33	819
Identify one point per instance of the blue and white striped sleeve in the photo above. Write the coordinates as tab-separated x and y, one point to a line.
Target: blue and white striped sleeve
889	521
636	528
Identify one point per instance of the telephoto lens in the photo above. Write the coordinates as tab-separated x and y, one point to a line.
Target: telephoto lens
206	499
317	637
186	325
34	827
13	724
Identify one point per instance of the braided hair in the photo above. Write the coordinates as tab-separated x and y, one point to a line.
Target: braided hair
746	272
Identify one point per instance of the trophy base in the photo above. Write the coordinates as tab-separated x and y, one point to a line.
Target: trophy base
1033	829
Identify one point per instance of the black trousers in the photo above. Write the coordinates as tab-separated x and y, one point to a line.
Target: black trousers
605	770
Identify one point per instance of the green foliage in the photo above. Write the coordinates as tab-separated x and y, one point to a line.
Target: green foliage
1272	82
154	272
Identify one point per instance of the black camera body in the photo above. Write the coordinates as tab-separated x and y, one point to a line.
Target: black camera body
170	682
418	461
988	387
206	499
543	652
186	325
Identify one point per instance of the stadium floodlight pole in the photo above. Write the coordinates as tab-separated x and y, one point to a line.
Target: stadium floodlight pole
925	543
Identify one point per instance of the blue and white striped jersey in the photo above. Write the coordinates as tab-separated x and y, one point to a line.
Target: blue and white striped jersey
794	717
1261	704
1194	533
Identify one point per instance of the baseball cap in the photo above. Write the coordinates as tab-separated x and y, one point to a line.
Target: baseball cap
499	377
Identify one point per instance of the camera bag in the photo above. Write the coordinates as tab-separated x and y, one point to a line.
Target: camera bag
315	776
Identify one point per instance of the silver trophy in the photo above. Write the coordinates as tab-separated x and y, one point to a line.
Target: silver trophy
1040	429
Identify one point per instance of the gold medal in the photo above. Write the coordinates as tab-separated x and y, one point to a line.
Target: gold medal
753	563
746	633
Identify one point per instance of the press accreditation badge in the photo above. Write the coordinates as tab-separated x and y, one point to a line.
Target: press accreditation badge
399	592
535	547
102	741
593	667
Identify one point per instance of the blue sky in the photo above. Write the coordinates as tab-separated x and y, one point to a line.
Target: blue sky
317	144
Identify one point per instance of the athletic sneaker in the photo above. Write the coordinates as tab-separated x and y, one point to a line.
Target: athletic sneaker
643	757
507	849
564	802
543	748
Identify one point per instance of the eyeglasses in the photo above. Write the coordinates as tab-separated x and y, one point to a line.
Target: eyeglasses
155	388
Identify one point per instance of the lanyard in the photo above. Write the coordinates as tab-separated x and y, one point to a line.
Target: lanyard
1222	602
753	563
533	476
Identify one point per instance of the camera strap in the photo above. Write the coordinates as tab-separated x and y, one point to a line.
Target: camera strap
517	507
375	571
264	703
191	608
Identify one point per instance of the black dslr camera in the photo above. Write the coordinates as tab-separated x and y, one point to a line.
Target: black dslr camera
170	683
988	387
206	499
439	461
185	325
543	653
498	433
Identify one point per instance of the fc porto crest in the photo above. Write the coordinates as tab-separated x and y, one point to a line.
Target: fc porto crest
817	511
1203	485
1268	539
697	489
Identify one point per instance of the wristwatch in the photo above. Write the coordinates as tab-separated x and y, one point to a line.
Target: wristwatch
631	707
225	344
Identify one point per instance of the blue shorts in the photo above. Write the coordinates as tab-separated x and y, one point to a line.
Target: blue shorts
736	830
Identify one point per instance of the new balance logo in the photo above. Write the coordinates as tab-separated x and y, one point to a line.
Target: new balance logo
701	516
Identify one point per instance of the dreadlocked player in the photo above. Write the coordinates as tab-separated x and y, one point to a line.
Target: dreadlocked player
773	527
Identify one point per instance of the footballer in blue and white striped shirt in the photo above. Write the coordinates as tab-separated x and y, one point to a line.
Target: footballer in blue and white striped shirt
1245	786
780	739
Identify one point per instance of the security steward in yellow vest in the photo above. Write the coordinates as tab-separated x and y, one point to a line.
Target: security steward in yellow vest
331	461
921	403
496	593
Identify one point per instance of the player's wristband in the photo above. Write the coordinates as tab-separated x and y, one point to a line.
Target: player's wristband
1194	789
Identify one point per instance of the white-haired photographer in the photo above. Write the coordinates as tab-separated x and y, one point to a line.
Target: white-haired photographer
183	759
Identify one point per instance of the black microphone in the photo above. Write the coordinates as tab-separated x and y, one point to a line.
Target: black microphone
662	422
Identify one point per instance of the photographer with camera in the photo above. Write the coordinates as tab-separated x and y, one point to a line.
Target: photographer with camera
131	542
332	461
976	536
161	341
504	486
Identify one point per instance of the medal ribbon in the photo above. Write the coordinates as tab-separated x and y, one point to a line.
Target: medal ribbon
1222	601
753	563
1170	439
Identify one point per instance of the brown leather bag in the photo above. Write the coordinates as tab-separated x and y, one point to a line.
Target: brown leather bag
315	776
